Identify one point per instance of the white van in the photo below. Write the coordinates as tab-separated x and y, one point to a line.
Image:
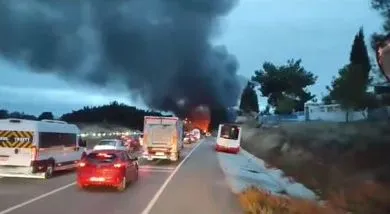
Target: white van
35	149
228	138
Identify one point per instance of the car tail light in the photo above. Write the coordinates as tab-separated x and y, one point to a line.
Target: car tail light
118	165
82	164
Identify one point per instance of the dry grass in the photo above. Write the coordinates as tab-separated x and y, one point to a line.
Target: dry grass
346	164
255	201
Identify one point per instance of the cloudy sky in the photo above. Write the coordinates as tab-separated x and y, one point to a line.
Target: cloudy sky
319	32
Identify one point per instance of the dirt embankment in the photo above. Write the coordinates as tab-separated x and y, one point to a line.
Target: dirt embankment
348	165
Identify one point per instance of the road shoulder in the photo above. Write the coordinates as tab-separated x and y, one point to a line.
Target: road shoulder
198	187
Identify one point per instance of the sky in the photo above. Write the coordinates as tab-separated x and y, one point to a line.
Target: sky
319	32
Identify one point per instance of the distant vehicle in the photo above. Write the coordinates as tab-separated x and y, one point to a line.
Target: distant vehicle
35	149
162	138
133	142
186	138
228	138
189	138
196	133
113	168
110	144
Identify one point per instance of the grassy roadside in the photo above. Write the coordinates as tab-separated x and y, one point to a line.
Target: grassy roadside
347	165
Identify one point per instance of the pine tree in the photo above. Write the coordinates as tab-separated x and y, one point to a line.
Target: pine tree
350	88
359	55
249	100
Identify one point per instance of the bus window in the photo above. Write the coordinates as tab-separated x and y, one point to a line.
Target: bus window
230	132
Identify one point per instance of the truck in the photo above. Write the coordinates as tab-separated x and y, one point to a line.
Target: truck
163	138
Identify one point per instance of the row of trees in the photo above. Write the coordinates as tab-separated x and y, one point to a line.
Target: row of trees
286	86
20	115
113	113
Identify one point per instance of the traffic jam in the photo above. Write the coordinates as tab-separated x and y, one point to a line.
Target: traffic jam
38	149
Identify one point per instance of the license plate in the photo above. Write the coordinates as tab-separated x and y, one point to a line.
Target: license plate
3	158
97	179
160	153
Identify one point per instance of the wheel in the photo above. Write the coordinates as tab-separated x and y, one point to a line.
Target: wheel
122	185
49	170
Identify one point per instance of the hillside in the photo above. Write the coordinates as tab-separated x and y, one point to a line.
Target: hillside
346	164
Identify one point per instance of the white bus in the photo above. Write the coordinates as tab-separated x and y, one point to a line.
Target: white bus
35	149
228	138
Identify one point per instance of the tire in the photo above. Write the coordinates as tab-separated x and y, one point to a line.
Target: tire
122	185
49	170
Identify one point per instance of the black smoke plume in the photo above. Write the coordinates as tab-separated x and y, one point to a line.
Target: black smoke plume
161	49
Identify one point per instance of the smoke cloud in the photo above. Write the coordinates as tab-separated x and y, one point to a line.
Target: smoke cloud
161	49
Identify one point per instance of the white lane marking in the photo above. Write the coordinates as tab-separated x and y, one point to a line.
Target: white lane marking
154	170
165	184
36	198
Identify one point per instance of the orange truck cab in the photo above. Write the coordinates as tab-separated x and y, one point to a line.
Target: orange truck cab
163	138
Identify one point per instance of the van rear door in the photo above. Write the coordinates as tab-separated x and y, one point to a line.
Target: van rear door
16	148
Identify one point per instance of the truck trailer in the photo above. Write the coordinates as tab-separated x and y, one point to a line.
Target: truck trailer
163	138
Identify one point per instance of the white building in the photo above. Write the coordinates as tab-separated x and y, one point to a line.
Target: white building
332	112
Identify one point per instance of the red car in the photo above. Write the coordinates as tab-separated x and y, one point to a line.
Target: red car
112	168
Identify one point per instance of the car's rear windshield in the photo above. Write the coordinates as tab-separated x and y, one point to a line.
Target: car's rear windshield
230	132
107	143
102	157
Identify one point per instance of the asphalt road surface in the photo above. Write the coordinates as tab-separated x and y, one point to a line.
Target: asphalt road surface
195	185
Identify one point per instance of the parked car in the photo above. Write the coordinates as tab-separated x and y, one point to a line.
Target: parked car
112	168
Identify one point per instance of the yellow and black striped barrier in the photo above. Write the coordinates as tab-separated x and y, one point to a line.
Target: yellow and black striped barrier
16	139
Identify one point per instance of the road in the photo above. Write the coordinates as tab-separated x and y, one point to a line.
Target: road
195	185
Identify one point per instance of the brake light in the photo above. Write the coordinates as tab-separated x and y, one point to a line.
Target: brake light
34	153
118	165
82	164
